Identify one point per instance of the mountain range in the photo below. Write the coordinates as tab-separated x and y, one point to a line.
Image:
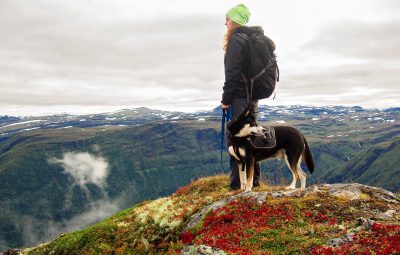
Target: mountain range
137	116
61	173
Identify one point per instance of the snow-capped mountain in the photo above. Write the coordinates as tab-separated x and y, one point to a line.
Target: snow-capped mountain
137	116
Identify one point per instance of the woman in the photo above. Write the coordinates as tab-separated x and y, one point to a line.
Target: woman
234	90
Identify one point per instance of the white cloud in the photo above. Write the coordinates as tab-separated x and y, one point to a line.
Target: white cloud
84	168
76	56
96	211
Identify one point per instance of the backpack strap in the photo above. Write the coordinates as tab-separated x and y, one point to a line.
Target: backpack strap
277	79
248	94
259	74
250	83
243	35
277	70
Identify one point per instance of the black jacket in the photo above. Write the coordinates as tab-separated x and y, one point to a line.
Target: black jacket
235	63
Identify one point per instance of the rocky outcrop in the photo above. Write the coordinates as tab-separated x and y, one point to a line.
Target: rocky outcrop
373	204
204	218
201	250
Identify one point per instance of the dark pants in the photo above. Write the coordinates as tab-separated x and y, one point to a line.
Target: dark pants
238	105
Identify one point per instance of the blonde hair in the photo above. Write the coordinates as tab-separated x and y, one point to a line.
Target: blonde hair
228	36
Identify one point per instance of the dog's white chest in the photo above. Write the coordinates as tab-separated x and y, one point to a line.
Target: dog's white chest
242	152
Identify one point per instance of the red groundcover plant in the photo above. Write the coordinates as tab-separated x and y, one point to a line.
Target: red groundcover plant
245	227
379	240
232	227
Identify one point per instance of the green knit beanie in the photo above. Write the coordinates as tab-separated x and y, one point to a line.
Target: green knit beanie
239	14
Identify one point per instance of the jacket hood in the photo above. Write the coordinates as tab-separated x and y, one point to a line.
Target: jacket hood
250	30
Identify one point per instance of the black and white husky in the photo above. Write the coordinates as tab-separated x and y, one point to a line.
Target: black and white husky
291	146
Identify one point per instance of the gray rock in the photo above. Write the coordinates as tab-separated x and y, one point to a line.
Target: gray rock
365	223
341	240
354	191
390	213
201	250
196	218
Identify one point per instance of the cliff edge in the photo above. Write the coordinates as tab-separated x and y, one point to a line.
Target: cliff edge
205	218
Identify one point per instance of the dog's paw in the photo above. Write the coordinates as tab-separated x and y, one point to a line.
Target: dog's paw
248	189
290	188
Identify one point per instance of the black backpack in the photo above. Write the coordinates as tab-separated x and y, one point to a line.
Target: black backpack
263	71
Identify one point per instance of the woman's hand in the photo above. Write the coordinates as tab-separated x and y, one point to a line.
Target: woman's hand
224	107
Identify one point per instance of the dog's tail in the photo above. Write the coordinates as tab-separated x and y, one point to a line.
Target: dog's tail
307	156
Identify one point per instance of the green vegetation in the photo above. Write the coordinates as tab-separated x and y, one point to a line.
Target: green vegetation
151	227
299	224
376	166
35	194
153	160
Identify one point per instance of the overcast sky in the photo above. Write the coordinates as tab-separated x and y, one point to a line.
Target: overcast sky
97	56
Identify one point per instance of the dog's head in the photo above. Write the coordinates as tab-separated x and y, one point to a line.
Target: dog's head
245	124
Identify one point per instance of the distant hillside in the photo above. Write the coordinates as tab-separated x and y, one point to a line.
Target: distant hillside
60	180
378	165
62	173
204	218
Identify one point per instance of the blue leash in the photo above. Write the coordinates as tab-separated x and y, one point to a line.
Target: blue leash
226	116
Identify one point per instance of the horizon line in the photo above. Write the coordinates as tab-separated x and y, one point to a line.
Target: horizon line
193	111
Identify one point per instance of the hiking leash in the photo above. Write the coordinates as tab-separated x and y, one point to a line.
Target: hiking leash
226	116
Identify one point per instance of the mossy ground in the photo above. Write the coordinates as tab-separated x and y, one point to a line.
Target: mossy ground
286	225
151	227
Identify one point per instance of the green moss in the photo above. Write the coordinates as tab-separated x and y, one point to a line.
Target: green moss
151	227
155	227
95	237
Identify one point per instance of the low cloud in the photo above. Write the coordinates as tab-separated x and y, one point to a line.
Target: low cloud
84	168
97	211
